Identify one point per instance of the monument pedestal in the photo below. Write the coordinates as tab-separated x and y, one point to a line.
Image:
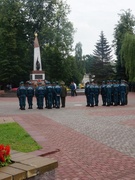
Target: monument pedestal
37	75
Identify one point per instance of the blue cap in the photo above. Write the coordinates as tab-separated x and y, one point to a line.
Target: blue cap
21	82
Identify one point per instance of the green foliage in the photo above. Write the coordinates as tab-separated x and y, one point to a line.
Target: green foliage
18	139
13	42
100	62
18	22
80	65
103	50
128	54
125	25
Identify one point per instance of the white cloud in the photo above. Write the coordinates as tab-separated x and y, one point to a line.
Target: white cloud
90	17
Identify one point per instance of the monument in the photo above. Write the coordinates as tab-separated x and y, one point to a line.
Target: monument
37	73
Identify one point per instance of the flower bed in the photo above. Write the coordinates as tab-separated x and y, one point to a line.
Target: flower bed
28	166
5	155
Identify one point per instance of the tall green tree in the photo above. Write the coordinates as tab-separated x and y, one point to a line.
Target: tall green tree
128	54
78	51
101	61
18	22
79	59
103	50
13	42
125	25
49	19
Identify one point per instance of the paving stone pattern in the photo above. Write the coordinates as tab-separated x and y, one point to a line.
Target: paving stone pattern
89	143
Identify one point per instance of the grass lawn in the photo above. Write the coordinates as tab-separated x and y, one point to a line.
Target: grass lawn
17	138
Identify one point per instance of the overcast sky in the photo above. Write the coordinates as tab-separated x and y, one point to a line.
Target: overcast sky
90	17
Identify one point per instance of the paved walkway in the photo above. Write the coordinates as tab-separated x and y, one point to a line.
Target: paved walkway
89	143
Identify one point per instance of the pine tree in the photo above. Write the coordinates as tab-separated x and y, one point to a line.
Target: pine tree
101	65
103	49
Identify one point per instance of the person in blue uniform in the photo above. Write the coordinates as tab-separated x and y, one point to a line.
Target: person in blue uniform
108	93
112	95
127	91
49	94
21	94
96	94
115	92
30	95
46	100
91	94
57	90
103	93
118	83
122	93
40	94
54	95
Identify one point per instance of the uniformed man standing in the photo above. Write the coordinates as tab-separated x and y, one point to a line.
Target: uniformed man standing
57	90
115	92
54	95
49	94
127	90
91	94
122	93
96	94
30	95
40	94
103	93
21	94
63	94
108	93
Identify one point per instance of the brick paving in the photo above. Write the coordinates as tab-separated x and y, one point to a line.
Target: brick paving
89	143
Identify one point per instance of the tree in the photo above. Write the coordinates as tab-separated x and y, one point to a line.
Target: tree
78	51
103	50
18	22
128	54
101	60
13	43
88	61
55	34
79	59
125	25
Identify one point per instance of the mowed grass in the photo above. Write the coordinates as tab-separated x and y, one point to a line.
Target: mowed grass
14	135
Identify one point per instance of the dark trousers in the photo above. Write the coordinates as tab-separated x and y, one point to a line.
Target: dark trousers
72	92
63	99
96	96
58	101
30	100
75	92
104	99
40	101
91	99
22	101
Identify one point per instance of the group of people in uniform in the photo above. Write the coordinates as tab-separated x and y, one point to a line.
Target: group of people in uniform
113	92
52	95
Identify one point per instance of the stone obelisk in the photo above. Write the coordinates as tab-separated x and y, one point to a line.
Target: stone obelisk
37	73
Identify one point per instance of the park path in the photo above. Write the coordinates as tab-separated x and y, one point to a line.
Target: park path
89	143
